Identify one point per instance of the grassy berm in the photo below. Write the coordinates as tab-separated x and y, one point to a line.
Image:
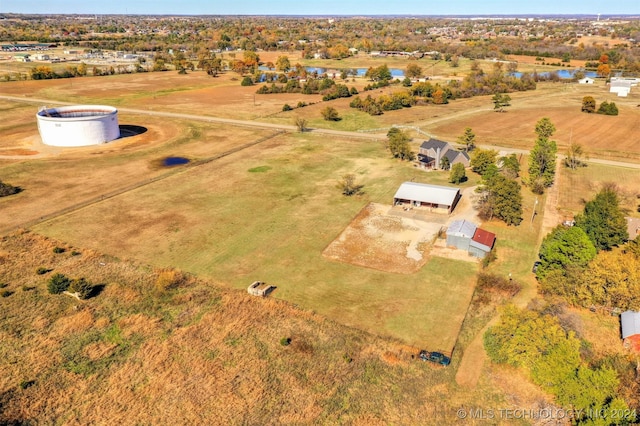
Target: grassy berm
162	347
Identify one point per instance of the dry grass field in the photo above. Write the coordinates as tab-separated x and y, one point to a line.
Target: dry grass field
254	204
194	353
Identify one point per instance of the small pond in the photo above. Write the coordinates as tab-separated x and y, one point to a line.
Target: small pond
174	161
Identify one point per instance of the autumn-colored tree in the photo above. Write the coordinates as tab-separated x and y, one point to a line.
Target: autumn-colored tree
413	71
588	104
330	114
603	70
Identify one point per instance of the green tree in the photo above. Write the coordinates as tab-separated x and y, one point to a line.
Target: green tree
603	220
564	248
608	108
510	166
445	164
545	128
502	198
330	114
58	283
398	143
500	101
468	139
588	104
81	287
481	159
542	158
283	64
378	73
457	174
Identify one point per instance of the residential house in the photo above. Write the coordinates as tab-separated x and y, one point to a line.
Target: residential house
433	151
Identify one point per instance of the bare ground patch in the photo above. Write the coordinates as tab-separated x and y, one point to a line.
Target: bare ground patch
380	240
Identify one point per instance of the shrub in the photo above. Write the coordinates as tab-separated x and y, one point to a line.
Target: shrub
81	287
6	189
6	293
58	283
168	279
246	81
3	285
285	341
42	270
75	253
58	250
286	107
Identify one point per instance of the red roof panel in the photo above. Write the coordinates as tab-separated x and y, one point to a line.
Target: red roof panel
484	237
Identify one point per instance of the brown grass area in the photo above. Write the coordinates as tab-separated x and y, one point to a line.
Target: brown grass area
196	354
602	136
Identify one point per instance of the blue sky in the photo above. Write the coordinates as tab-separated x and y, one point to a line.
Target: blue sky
324	7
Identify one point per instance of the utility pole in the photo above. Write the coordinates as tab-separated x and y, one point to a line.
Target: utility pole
533	214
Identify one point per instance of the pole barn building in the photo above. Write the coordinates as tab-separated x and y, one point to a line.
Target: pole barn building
433	197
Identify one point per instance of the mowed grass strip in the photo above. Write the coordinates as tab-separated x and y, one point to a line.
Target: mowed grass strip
225	221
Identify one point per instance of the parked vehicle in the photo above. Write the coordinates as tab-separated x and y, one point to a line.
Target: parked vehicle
435	357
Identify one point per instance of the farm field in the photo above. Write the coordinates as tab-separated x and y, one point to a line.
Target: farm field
267	213
585	182
263	204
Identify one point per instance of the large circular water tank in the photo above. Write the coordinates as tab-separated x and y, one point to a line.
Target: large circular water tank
78	125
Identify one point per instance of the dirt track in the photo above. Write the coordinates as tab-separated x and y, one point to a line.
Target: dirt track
288	128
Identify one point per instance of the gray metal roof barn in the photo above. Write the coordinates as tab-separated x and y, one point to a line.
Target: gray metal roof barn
438	198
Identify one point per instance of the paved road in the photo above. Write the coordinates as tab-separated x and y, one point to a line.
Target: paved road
288	128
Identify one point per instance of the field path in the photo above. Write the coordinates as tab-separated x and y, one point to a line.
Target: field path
289	128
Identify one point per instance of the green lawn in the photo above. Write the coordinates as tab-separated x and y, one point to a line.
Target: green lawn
267	214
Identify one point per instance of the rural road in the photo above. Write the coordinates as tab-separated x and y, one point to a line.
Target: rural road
289	128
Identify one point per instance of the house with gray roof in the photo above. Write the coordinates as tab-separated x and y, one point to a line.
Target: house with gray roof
433	151
433	198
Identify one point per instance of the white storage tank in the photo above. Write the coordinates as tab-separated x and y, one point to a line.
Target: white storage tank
78	125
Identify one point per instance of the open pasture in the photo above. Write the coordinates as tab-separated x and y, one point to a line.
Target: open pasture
267	213
581	185
602	136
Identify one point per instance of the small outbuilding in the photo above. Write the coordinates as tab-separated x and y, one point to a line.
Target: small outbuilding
482	243
630	325
433	197
586	80
460	233
465	235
